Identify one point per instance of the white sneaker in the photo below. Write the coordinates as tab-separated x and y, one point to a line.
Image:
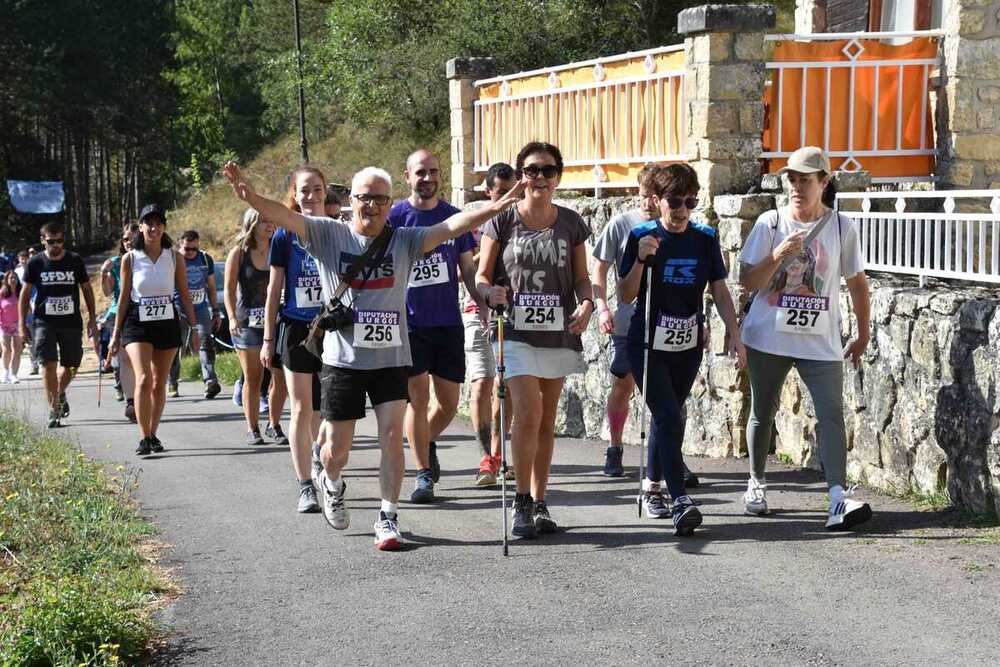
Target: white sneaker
755	499
846	513
13	379
387	537
334	508
5	377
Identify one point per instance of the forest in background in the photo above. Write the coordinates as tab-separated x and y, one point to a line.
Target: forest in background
130	102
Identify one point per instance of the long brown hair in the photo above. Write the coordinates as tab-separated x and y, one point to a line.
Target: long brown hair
5	290
129	230
290	195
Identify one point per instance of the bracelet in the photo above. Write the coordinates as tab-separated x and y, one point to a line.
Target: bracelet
268	340
587	298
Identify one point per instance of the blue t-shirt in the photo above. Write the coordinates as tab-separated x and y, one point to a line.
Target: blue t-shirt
303	292
199	268
682	267
432	294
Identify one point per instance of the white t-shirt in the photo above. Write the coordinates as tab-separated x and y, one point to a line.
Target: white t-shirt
798	314
609	248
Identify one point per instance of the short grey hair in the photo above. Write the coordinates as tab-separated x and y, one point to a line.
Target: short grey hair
369	173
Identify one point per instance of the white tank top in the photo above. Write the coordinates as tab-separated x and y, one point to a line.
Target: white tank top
152	279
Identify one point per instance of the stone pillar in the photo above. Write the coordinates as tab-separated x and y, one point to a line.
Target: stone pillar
462	72
968	109
724	93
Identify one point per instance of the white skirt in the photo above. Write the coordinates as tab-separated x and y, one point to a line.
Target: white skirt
548	363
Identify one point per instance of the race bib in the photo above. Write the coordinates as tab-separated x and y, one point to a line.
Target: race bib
675	334
308	292
197	296
59	305
255	318
538	312
429	271
156	308
376	329
801	314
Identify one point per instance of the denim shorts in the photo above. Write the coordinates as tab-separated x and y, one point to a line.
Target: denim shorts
246	338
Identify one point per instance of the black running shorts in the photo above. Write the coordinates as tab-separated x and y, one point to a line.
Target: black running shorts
344	390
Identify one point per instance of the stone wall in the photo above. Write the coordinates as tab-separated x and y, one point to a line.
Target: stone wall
932	421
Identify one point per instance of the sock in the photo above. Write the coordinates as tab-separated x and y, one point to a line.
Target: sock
389	508
616	424
303	483
648	484
333	484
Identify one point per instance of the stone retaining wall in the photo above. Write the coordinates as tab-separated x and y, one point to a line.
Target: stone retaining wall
932	421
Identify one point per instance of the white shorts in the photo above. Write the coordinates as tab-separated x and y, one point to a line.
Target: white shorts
548	363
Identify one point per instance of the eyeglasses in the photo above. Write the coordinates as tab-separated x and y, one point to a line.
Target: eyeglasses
188	249
547	171
377	200
55	241
689	203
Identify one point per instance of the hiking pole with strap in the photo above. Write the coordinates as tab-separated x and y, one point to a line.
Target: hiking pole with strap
645	387
501	396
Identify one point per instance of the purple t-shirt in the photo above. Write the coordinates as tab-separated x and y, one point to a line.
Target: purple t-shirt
432	294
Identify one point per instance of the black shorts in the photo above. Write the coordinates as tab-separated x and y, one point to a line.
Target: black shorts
344	390
292	356
161	334
62	345
439	351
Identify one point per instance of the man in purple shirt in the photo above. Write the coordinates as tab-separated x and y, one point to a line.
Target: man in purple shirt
437	336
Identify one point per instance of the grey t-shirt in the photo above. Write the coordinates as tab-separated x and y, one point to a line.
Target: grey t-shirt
609	248
538	269
379	337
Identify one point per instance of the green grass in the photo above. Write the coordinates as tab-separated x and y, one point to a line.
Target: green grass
75	585
227	367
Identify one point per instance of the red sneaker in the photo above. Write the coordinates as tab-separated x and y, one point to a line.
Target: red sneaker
488	468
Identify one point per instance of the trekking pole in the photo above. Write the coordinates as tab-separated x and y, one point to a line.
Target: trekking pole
100	375
501	396
645	387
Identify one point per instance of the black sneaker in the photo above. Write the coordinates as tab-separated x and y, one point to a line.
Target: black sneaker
144	448
543	521
119	394
423	492
613	462
212	389
275	433
54	418
172	391
523	515
63	406
435	464
686	516
690	479
155	444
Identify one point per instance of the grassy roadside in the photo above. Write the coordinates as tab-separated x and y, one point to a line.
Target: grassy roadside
77	583
227	367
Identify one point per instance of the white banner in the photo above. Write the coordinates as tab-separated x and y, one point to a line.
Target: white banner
36	196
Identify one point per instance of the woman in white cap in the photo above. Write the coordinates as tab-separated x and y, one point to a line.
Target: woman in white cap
805	241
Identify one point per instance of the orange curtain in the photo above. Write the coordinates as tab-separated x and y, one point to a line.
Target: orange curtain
890	105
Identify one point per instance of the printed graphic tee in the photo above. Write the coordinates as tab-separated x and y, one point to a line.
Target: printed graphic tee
682	267
57	301
198	270
537	267
610	248
379	337
798	314
432	298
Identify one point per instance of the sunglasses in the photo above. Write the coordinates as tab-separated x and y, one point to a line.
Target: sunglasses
689	203
55	241
187	249
546	171
368	200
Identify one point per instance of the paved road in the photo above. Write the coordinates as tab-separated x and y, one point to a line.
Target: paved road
266	586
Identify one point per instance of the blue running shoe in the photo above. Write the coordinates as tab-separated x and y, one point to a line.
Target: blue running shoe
423	492
613	462
238	393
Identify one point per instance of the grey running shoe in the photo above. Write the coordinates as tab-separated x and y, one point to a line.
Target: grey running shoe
523	515
654	505
613	462
119	394
543	521
307	500
435	464
334	507
253	438
686	516
276	434
423	491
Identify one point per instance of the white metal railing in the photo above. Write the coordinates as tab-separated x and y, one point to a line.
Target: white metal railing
873	100
600	119
945	243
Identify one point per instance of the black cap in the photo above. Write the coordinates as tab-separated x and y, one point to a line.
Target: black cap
152	209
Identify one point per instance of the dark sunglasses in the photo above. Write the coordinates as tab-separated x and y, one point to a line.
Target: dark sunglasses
55	241
547	171
187	249
689	203
368	200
